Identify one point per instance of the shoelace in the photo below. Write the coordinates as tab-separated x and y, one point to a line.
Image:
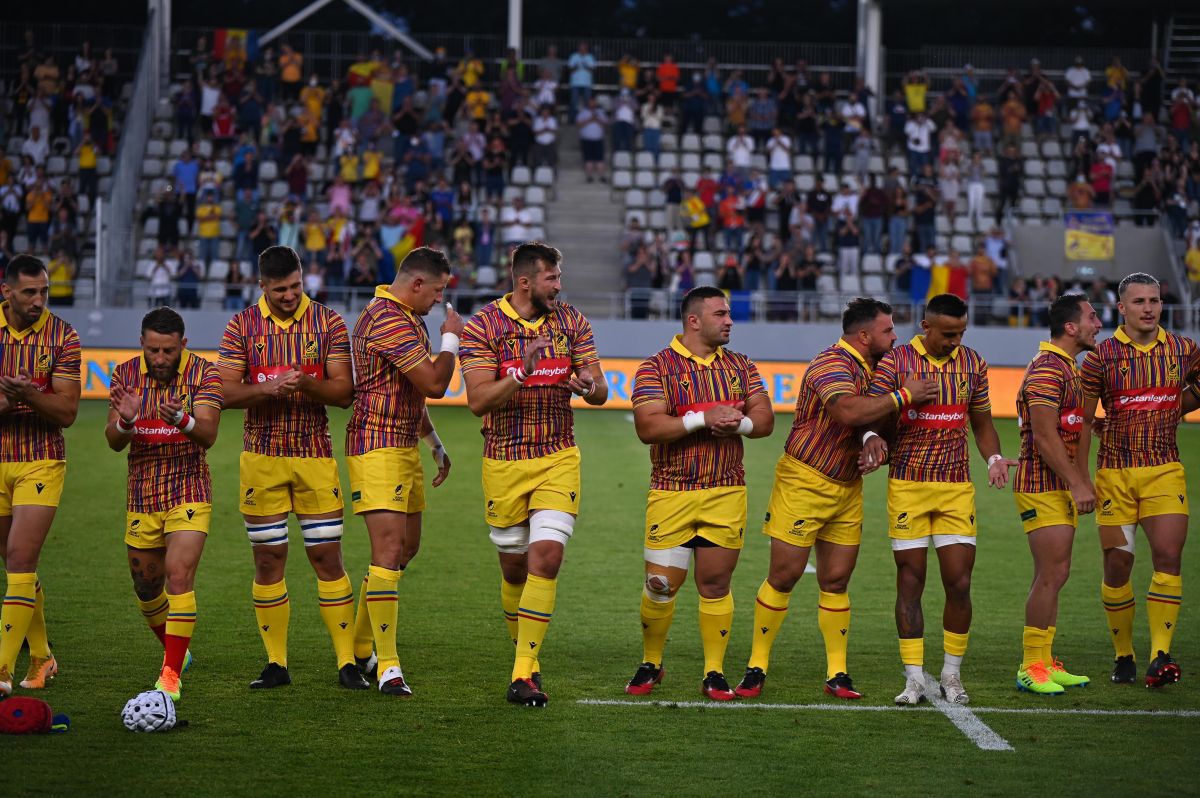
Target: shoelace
1038	673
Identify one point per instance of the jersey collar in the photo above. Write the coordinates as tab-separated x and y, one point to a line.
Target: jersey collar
684	352
918	343
507	309
19	334
1046	346
841	342
384	292
185	357
1160	338
301	309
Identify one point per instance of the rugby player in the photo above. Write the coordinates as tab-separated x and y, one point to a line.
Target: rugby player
692	403
930	495
394	373
284	359
1051	486
523	356
39	396
165	405
1145	379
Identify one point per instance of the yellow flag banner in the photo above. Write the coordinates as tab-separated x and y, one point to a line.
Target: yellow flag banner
1089	235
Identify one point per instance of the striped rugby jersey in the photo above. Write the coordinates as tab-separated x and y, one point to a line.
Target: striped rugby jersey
167	469
47	351
388	341
931	439
537	420
1140	388
1051	380
816	439
261	347
688	383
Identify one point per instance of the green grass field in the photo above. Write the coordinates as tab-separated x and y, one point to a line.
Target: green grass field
457	735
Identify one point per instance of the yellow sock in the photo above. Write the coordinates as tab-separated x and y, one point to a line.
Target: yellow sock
383	599
716	618
912	651
656	622
1048	648
364	640
833	617
20	599
39	643
1162	609
1033	646
1118	605
155	613
953	643
336	599
533	617
770	608
181	623
273	610
510	602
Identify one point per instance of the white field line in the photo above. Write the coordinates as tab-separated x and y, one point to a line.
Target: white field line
847	707
964	720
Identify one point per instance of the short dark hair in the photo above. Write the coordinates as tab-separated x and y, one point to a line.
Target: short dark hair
1067	309
861	311
1137	278
527	256
697	296
27	265
946	305
278	262
425	261
164	321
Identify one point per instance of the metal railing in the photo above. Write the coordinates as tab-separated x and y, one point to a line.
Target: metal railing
62	40
117	246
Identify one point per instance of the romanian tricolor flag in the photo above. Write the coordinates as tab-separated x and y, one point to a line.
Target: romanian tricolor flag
413	238
235	45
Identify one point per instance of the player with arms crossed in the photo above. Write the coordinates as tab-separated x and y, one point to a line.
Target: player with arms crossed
693	402
1051	486
817	497
930	495
394	373
1141	375
522	358
165	405
39	396
284	359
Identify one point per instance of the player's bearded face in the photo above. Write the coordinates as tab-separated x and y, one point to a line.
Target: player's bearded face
881	337
429	293
1089	327
716	324
283	295
162	352
544	288
27	298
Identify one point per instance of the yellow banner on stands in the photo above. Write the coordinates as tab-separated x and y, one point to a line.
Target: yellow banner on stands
782	381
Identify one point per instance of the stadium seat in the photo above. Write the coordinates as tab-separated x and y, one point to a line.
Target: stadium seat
644	160
225	248
1052	206
521	176
56	165
512	192
1034	187
151	226
543	176
635	198
218	270
1124	170
1056	168
14	145
156	148
851	284
204	148
875	165
668	161
830	304
143	268
268	171
537	233
1029	207
805	182
655	198
658	219
645	179
214	292
962	224
535	195
714	143
690	162
689	143
1056	187
871	263
891	262
714	162
622	179
278	190
874	285
639	214
803	163
1029	149
705	277
691	178
622	160
703	261
537	214
177	147
943	224
1051	148
961	244
990	166
668	142
1035	167
712	124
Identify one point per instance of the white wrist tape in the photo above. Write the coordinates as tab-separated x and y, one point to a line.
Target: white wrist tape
432	440
126	428
694	421
868	435
745	426
450	343
992	460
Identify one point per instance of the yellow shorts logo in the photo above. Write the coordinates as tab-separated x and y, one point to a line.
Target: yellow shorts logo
902	521
1106	507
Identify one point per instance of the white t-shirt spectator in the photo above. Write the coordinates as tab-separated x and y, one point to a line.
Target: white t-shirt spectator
344	141
919	133
591	124
515	223
545	130
845	202
1078	77
779	151
1109	152
161	275
626	111
38	150
1081	119
545	91
1185	93
476	143
854	113
652	118
209	95
739	149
